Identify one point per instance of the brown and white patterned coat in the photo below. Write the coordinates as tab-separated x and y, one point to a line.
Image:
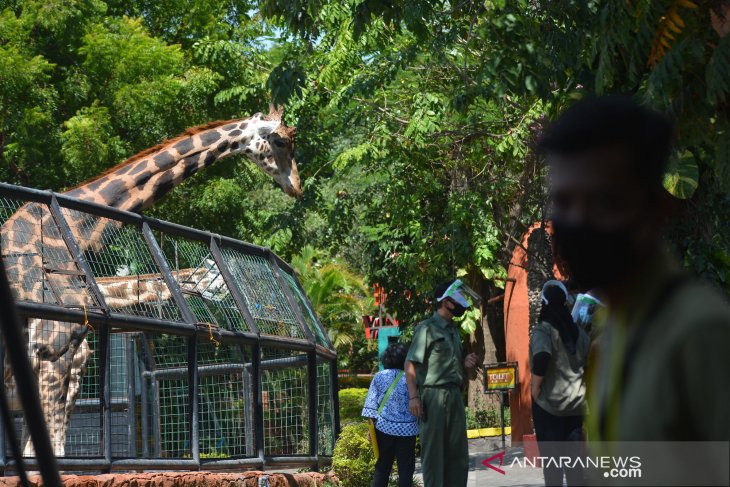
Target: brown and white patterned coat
34	251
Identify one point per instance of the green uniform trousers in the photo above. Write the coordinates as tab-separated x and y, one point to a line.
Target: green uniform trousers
444	449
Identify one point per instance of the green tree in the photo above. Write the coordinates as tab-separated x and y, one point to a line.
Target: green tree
338	296
429	110
415	118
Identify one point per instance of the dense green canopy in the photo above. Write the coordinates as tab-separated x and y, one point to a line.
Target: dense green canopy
415	119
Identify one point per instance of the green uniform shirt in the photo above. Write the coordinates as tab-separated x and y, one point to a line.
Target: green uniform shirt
679	385
563	390
436	347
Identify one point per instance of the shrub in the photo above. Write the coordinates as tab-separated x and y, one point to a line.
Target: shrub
354	460
354	381
486	418
351	404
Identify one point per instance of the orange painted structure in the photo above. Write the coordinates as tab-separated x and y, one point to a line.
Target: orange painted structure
517	334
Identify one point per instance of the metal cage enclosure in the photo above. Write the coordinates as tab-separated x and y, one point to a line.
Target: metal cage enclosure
206	350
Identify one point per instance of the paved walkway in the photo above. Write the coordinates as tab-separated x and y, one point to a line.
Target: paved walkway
479	450
479	475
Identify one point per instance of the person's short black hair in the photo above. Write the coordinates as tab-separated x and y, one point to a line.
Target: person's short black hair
441	288
604	122
394	356
554	295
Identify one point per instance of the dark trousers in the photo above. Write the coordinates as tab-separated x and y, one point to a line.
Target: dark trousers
558	436
401	448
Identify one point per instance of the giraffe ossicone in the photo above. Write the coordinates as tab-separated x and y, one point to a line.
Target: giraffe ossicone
60	351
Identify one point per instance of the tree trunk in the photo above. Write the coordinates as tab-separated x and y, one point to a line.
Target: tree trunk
488	342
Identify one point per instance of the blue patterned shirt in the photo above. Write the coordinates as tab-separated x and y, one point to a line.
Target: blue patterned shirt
395	419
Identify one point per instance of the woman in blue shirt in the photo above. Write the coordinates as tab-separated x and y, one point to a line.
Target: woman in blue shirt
396	428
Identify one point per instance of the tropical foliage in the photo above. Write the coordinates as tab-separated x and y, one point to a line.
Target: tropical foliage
338	296
416	121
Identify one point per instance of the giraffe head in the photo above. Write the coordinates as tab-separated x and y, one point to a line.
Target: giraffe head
271	148
144	178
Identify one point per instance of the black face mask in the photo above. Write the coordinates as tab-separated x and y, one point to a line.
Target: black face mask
593	257
457	310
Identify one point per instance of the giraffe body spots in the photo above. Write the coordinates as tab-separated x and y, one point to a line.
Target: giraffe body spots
36	210
235	133
124	170
22	225
230	126
192	159
234	146
164	160
208	138
112	192
95	185
190	170
136	205
210	158
222	146
139	167
164	184
142	178
184	146
191	165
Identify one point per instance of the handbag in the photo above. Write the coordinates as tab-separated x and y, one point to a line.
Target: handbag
371	422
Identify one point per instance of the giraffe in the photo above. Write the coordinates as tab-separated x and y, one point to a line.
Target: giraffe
35	253
121	291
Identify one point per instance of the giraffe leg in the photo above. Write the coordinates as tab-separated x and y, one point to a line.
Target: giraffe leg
34	332
75	376
53	376
53	395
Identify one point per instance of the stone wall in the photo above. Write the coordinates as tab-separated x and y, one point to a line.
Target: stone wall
184	479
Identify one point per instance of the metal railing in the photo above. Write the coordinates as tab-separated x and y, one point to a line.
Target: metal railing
206	351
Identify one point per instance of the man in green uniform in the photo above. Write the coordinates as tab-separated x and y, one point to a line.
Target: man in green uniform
434	375
659	371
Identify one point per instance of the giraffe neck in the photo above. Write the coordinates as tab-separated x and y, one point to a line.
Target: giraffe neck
139	183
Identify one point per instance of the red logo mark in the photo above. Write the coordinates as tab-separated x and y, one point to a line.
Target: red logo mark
489	465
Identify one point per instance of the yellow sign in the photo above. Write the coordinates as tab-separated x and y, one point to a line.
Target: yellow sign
501	377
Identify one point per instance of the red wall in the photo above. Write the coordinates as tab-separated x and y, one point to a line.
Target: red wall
516	326
516	332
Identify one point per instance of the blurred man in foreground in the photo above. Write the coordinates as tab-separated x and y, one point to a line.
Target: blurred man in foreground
660	368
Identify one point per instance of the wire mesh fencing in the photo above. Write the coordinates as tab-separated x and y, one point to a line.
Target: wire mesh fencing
160	346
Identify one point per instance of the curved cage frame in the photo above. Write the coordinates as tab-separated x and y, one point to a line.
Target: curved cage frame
228	367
